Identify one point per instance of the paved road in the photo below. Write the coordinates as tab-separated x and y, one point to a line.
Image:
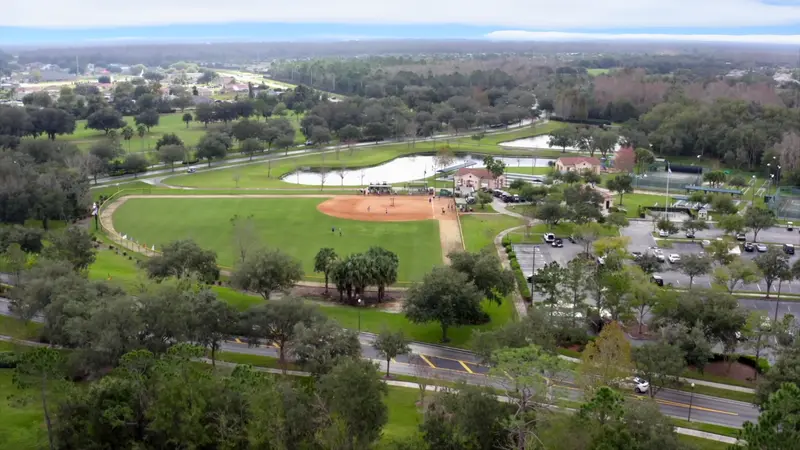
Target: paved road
453	364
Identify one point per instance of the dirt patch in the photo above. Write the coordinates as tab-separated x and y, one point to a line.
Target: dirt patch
738	371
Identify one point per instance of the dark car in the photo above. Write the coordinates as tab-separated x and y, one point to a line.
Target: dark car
636	255
788	249
749	247
657	280
571	238
689	235
558	242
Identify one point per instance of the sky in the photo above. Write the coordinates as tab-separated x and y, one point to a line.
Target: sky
26	22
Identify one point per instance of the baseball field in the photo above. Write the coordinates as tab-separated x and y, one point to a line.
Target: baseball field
412	227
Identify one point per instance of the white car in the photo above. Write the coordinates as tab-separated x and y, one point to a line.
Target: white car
658	254
640	386
663	233
549	237
761	247
674	258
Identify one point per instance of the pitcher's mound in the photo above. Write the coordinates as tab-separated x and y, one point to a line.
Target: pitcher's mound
378	208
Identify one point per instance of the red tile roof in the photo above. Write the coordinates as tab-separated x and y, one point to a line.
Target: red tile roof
573	160
480	173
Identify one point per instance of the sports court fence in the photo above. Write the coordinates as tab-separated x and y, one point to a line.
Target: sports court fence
658	180
786	202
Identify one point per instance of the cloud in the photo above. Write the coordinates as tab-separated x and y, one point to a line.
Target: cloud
520	14
519	35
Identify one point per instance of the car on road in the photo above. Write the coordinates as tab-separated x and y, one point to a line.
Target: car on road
789	226
761	248
557	243
191	170
663	233
749	247
674	258
788	249
549	238
571	238
689	235
601	260
657	280
640	386
741	237
636	255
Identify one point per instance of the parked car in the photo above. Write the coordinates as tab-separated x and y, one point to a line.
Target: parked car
636	255
761	248
658	254
788	249
749	247
549	238
558	243
663	233
789	226
741	237
657	280
674	258
571	238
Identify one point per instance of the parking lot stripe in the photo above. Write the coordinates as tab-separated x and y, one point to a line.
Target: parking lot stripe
426	360
465	367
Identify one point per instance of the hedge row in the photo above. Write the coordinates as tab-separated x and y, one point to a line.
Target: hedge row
8	360
522	283
761	366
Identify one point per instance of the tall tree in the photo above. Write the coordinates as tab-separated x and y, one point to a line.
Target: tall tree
323	263
105	119
758	218
774	264
661	364
170	154
445	296
621	184
321	345
485	271
389	345
211	321
266	271
42	368
72	245
276	323
777	424
693	265
181	259
606	361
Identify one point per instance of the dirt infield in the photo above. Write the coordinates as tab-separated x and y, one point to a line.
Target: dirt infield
378	208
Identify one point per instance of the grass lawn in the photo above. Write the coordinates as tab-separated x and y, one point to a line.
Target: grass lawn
480	230
595	72
375	321
703	444
292	225
707	427
404	416
10	326
22	425
631	202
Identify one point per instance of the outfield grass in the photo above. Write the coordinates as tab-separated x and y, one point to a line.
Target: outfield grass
480	229
292	225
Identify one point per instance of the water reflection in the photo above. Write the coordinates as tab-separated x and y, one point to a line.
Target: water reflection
407	168
538	142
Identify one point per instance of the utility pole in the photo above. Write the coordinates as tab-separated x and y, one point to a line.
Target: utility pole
312	78
334	82
77	67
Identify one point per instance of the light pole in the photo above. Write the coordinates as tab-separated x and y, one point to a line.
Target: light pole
691	399
655	205
753	187
359	302
533	268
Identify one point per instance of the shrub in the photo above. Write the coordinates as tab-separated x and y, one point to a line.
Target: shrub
124	253
8	360
512	255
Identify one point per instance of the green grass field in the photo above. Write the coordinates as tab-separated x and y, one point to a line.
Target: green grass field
292	225
631	202
480	229
595	72
21	422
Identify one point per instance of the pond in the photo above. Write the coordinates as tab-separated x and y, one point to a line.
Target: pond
537	142
407	168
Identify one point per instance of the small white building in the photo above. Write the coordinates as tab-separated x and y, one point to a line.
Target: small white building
477	178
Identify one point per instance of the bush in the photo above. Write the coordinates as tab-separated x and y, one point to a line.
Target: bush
8	360
761	366
515	265
569	336
512	255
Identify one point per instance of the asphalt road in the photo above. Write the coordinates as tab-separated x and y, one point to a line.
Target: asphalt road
451	364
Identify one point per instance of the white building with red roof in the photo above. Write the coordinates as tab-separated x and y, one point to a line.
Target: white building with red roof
477	178
578	164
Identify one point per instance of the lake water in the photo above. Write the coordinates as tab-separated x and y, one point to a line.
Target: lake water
537	142
407	168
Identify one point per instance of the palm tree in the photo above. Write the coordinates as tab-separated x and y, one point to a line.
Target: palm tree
141	130
324	261
127	134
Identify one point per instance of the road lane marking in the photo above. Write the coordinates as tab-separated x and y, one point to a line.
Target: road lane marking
238	341
276	345
465	367
394	360
427	360
759	287
686	405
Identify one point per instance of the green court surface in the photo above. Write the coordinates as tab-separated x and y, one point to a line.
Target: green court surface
293	225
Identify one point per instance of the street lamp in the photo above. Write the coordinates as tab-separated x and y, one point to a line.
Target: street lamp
533	268
655	205
691	398
359	302
753	188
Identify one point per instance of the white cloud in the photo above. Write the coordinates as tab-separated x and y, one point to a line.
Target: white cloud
524	14
518	35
